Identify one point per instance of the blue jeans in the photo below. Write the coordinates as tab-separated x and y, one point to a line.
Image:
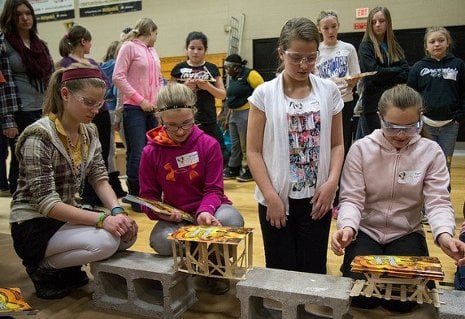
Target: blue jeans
136	123
445	136
238	133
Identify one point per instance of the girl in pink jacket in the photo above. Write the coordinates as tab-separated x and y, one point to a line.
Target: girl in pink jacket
387	178
138	78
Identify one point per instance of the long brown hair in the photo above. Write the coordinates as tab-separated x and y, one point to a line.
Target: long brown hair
53	103
395	52
8	16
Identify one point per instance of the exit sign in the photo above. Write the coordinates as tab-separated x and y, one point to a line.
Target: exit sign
360	25
361	13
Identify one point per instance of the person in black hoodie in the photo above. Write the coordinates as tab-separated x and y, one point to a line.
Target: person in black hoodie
380	52
440	79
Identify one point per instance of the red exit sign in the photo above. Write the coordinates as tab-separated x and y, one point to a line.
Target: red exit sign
360	25
361	13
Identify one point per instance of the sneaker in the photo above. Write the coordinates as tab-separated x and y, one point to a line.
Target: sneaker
245	176
231	172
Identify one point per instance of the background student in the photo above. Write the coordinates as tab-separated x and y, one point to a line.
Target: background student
336	61
440	79
242	82
31	66
137	76
73	47
380	52
204	79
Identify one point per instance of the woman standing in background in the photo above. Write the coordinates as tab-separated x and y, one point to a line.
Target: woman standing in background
380	52
205	80
31	66
138	78
242	82
73	47
337	60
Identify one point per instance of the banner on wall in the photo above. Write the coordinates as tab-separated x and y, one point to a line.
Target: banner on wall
89	8
52	10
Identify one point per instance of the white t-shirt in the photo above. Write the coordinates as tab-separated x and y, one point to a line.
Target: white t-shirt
336	62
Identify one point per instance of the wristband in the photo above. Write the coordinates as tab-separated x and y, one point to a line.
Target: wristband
117	210
100	219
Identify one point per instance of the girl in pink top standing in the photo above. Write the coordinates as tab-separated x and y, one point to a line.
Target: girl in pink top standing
137	76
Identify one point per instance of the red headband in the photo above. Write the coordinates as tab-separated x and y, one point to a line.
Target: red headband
82	73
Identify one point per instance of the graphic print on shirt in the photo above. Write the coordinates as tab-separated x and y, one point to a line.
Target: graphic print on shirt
337	66
445	73
304	128
177	174
196	74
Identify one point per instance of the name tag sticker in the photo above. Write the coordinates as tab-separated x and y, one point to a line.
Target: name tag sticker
187	159
408	177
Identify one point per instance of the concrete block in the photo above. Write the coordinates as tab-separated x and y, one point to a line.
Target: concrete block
292	291
452	302
141	283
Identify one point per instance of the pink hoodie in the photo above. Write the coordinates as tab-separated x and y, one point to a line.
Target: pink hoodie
194	186
137	73
383	189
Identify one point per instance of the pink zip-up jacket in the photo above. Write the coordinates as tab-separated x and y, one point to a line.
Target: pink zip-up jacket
383	189
137	73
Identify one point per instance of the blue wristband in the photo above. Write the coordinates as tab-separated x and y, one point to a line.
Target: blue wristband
117	210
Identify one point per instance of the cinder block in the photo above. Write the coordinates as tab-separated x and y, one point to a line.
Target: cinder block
292	290
141	283
452	302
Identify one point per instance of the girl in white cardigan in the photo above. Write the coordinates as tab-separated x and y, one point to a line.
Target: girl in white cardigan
295	153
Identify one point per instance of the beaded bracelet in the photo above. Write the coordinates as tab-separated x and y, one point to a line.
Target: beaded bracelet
117	210
100	219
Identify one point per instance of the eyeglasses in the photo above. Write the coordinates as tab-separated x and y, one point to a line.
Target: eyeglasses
230	65
298	58
174	127
391	129
91	104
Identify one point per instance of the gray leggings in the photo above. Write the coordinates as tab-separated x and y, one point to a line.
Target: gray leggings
74	245
227	214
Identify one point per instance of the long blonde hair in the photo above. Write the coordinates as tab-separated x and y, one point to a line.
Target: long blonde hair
394	51
143	27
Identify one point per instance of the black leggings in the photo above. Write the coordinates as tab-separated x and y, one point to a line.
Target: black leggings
300	246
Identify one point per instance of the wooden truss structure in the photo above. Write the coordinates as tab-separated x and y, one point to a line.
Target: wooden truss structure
392	288
218	258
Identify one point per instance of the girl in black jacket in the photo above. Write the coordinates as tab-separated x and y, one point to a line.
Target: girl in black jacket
440	79
380	52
